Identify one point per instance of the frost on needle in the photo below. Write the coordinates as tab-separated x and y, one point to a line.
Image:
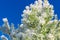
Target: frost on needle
38	23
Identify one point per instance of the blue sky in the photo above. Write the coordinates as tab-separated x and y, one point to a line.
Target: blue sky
12	9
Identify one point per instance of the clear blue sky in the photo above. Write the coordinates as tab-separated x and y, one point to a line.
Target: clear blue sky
12	9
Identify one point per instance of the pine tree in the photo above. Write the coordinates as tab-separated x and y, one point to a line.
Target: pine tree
38	23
